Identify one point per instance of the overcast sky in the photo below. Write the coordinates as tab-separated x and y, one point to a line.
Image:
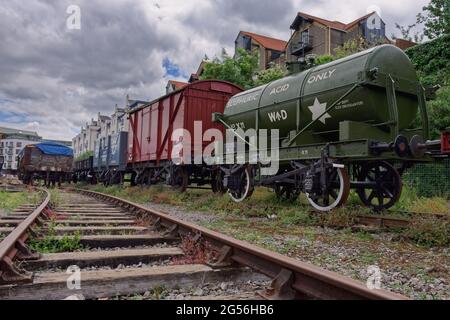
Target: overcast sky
54	80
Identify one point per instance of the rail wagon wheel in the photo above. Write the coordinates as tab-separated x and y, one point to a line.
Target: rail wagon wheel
386	185
287	194
338	190
180	179
245	181
217	182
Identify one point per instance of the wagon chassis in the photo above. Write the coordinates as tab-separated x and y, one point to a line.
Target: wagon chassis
320	172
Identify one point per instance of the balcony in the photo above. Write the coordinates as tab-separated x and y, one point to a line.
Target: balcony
300	48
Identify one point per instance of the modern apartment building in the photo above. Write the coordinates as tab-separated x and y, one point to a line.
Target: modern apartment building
12	142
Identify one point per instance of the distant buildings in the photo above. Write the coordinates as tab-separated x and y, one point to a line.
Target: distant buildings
101	128
312	36
173	85
11	143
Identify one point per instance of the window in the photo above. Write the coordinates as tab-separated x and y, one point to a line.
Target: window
247	41
274	55
19	144
305	37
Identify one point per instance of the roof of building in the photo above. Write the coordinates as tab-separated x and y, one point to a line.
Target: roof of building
7	131
332	24
267	42
104	118
193	77
178	84
403	43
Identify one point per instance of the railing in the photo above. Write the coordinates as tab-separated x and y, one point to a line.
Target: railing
305	44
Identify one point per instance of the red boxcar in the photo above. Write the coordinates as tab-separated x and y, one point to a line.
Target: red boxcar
151	127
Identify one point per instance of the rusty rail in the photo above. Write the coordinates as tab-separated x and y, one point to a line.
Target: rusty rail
14	246
291	278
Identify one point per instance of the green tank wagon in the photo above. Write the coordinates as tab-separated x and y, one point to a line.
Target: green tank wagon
342	125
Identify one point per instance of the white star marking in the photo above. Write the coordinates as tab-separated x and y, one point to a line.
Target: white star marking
317	109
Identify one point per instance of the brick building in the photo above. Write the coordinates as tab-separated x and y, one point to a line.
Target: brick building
316	36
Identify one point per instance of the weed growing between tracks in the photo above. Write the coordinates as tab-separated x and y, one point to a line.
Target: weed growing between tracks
51	243
195	252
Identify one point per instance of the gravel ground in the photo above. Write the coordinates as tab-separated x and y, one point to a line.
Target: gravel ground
191	216
420	273
223	291
158	263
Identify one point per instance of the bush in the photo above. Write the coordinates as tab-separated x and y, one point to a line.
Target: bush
432	61
429	231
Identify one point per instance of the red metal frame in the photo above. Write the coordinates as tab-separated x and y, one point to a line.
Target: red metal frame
151	126
445	142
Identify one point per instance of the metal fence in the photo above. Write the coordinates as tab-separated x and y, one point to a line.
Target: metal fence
429	180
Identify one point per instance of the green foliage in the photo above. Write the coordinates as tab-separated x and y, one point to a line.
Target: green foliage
55	198
51	244
323	59
439	112
436	18
85	155
269	75
241	70
432	61
11	200
429	231
350	47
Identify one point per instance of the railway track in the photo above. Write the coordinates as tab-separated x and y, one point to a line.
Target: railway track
134	249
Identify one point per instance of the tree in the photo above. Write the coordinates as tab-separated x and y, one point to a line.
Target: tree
439	112
407	33
242	70
239	70
350	47
436	18
323	59
269	75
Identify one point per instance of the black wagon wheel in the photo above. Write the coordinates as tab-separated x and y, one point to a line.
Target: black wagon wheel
383	185
180	179
245	185
287	193
336	192
217	182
